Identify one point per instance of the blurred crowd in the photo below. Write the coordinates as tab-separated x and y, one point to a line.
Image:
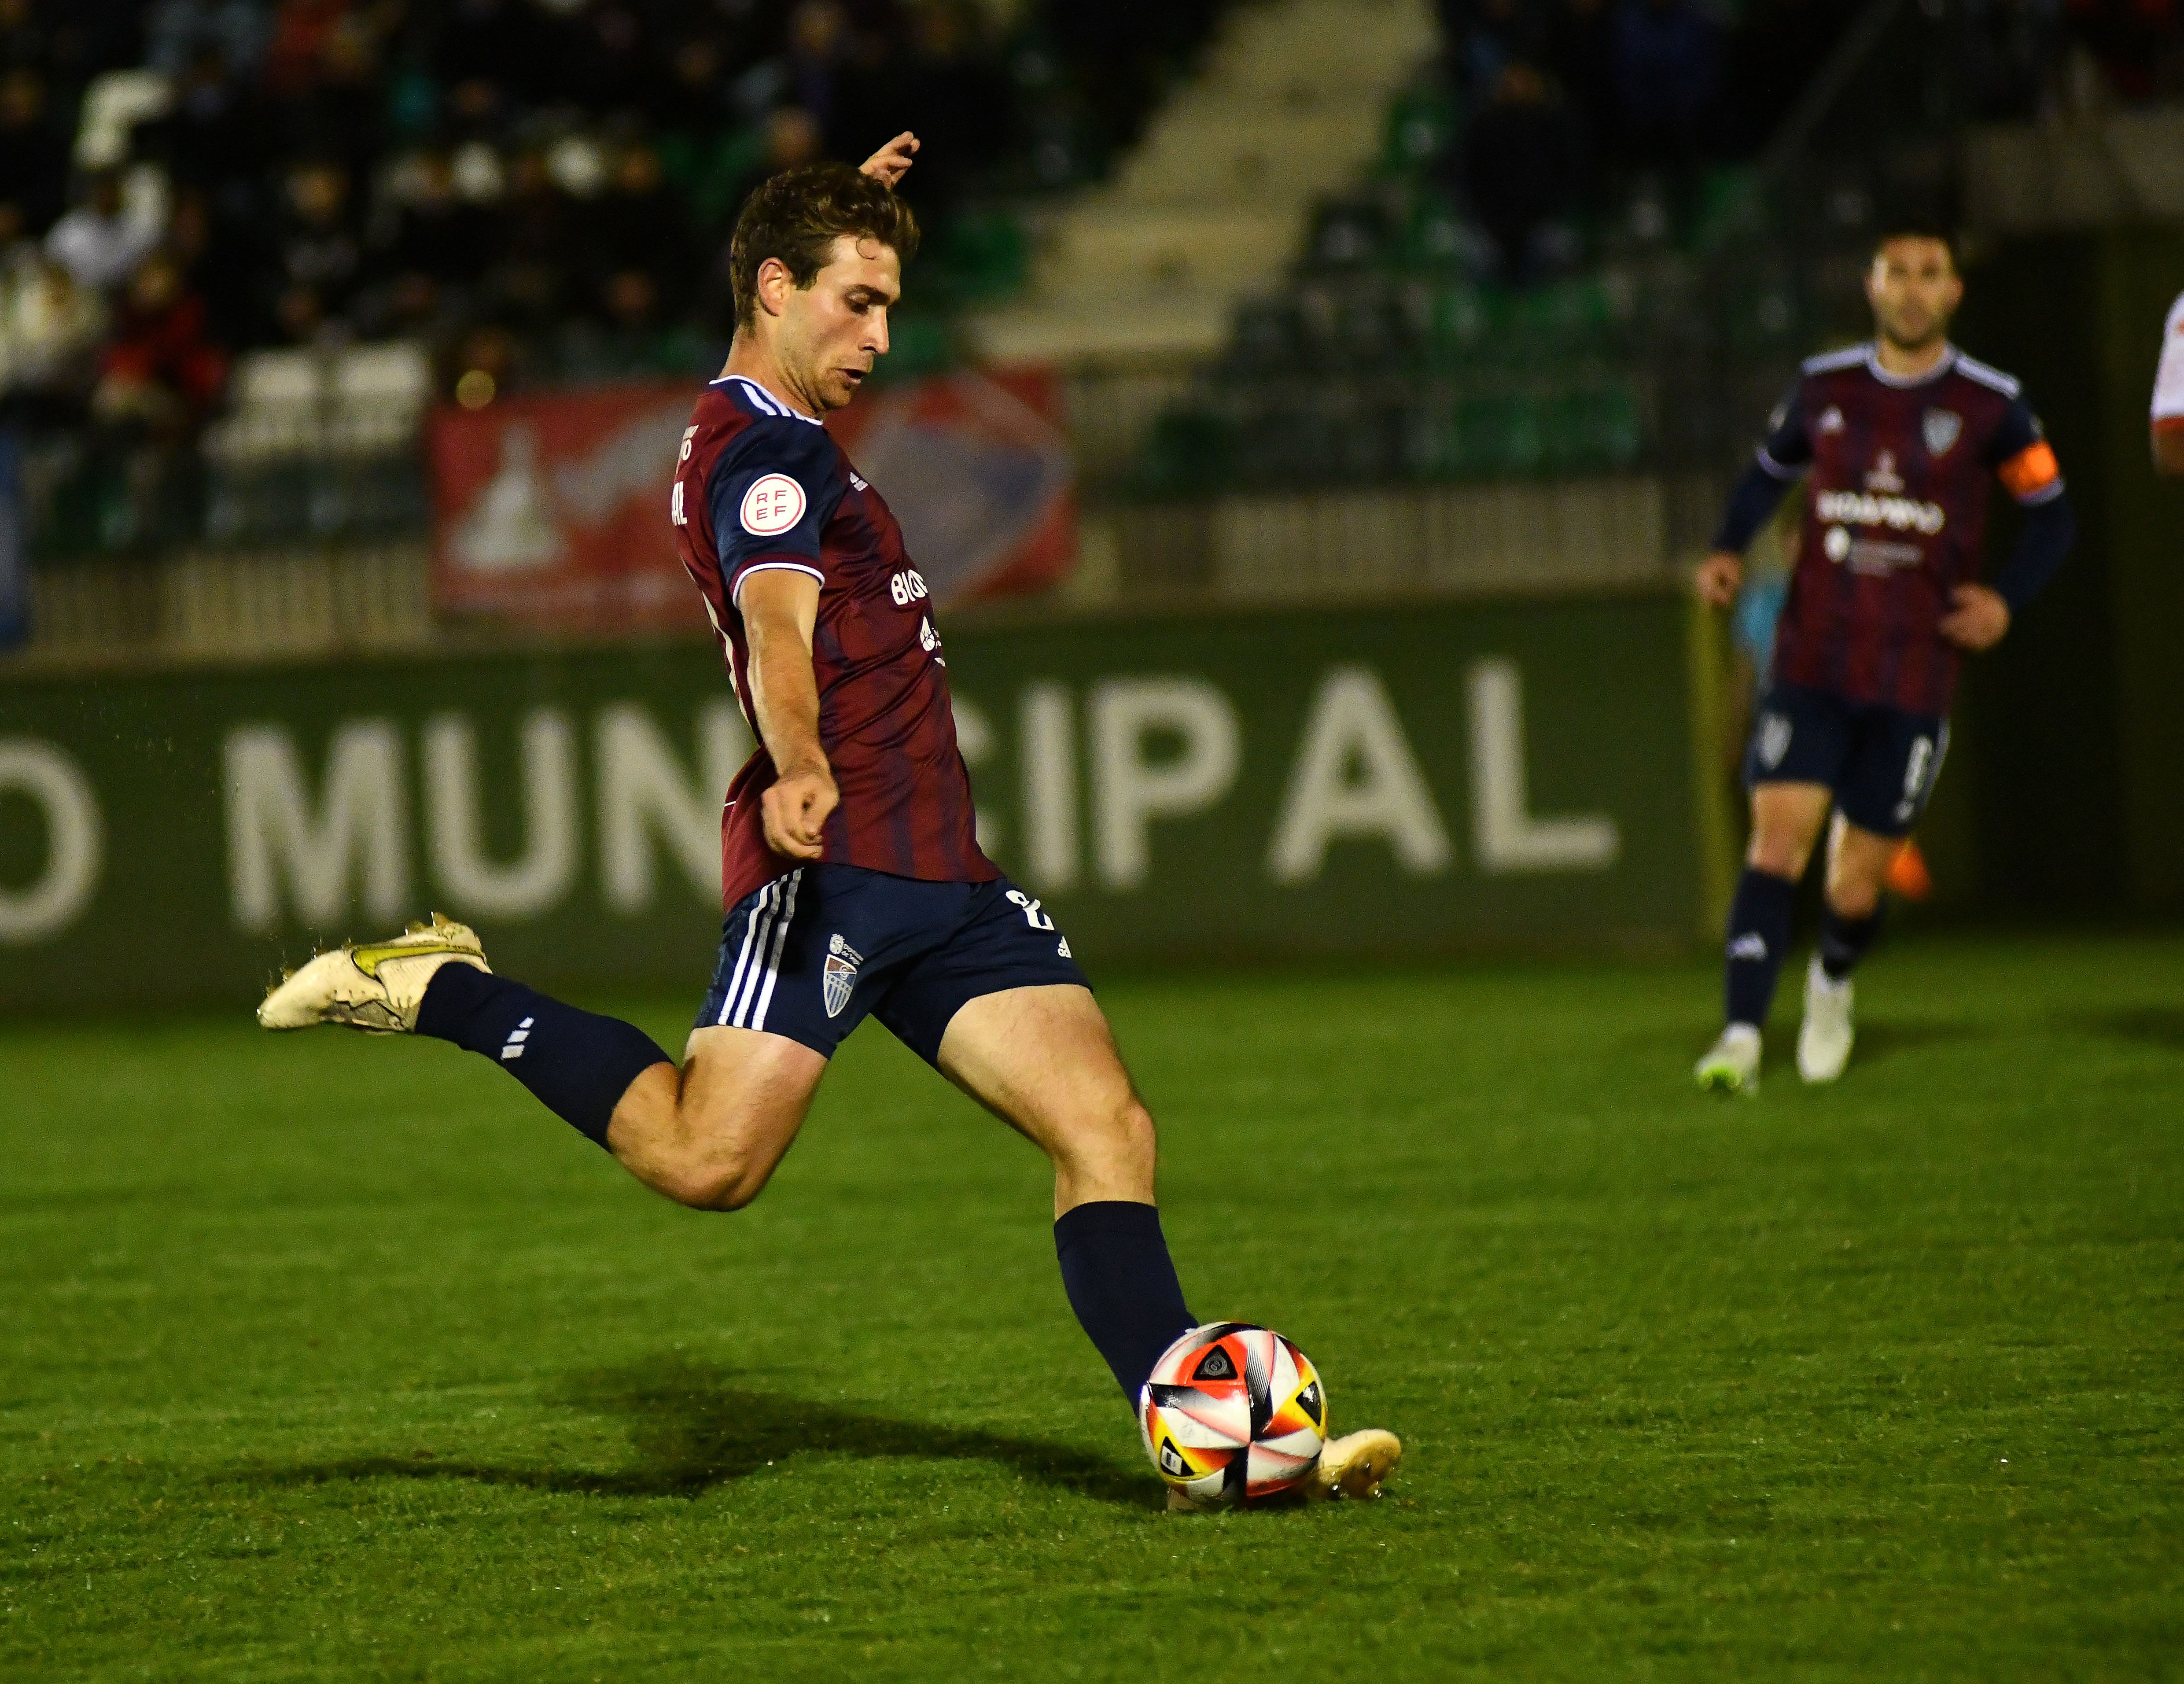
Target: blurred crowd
539	188
1567	100
544	188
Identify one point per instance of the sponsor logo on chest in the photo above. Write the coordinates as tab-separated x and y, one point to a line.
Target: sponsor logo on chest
1864	509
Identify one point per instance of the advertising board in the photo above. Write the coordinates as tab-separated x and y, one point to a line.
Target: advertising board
1369	783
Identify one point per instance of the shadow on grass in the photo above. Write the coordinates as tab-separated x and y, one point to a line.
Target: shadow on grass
692	1428
2161	1026
1887	1037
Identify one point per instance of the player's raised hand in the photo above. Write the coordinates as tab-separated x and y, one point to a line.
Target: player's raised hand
1976	619
891	162
1719	577
796	810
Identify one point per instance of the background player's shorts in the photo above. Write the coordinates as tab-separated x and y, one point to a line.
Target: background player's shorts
1880	761
810	954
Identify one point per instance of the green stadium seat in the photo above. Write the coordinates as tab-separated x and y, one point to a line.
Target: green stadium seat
1422	123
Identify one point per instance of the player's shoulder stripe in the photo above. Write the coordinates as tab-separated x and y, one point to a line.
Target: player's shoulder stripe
1828	362
1987	375
760	400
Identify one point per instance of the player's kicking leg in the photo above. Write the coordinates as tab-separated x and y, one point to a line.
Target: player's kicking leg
1786	823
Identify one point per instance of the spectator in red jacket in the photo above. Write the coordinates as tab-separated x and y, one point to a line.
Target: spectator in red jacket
159	371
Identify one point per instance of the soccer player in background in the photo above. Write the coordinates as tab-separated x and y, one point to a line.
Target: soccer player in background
2167	425
852	872
1896	440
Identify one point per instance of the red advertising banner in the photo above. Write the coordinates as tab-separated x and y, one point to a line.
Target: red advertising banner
553	508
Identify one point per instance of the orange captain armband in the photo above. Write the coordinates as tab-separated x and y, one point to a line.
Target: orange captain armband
2030	470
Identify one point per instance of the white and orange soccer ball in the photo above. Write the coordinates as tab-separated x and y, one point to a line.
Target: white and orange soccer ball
1232	1414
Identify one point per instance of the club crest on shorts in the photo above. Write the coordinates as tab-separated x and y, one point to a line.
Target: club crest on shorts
1941	428
1774	739
839	974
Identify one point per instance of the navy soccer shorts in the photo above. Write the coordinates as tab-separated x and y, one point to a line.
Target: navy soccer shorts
1880	762
812	953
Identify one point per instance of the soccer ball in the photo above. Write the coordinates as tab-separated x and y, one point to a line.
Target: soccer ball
1233	1414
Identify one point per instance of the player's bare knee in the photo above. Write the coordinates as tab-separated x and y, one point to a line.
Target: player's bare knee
1848	900
1779	856
711	1182
1119	1135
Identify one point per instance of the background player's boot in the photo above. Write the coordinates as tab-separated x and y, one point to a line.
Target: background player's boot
1823	1041
1354	1465
376	989
1731	1064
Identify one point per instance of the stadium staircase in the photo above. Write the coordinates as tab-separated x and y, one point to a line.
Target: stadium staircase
1215	200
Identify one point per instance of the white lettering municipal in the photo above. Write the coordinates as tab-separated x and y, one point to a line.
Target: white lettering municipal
1505	837
645	794
76	840
1355	777
1130	790
1048	735
974	741
544	872
359	826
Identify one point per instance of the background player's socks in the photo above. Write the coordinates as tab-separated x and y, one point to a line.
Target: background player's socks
1843	941
1759	920
578	1063
1120	1282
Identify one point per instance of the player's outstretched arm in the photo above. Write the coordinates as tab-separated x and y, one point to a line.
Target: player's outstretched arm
780	607
891	162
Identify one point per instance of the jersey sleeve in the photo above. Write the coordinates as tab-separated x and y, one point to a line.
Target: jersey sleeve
2169	376
771	496
2022	459
1786	450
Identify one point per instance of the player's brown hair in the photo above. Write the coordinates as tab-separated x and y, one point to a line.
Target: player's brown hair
797	216
1893	232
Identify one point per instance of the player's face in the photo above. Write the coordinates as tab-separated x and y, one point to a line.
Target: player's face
1914	289
833	331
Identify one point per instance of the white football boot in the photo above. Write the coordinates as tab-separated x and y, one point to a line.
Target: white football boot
376	989
1354	1465
1823	1041
1731	1064
1351	1466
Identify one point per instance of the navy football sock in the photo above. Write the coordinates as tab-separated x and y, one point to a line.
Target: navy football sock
1844	941
1121	1283
1759	919
578	1063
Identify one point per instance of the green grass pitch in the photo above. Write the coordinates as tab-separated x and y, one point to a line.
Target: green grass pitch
326	1358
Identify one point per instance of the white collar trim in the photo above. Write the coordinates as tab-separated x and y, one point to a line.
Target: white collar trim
1905	381
766	400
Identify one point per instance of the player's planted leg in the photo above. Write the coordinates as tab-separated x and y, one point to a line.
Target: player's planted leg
1786	820
1044	1062
1859	861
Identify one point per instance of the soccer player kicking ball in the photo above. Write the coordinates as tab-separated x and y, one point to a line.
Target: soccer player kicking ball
1896	440
850	871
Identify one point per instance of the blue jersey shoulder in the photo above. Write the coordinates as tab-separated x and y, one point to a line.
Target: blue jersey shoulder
774	487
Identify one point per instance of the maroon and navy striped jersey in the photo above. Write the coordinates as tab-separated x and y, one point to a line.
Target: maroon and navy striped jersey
1896	475
759	486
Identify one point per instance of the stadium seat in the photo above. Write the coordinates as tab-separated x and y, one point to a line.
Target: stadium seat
1423	122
